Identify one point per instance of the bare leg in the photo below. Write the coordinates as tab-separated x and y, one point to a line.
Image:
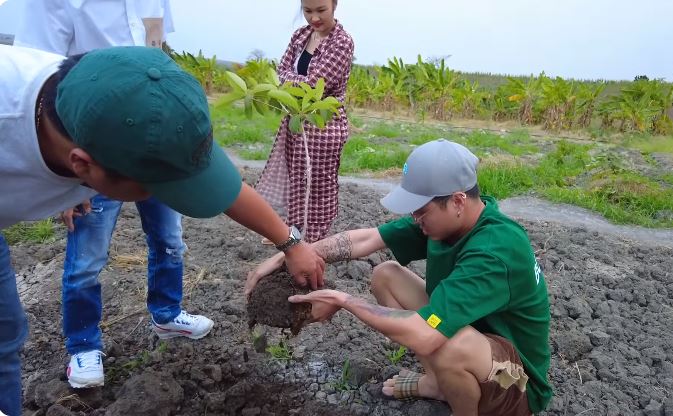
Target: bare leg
398	287
459	365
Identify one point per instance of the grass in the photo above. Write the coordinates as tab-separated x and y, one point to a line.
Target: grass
231	128
30	232
511	164
343	383
255	154
650	144
280	352
360	155
396	356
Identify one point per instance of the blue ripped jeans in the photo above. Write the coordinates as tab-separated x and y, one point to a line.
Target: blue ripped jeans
13	332
87	254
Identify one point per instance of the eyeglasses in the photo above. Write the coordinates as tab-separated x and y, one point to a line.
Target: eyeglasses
425	209
422	212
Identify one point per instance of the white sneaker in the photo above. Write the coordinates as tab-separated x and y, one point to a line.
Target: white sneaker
86	369
184	325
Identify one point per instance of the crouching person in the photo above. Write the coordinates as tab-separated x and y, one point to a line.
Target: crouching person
479	321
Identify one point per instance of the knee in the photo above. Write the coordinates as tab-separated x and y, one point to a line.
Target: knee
381	276
458	350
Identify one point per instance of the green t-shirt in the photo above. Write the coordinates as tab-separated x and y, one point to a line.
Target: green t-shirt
489	279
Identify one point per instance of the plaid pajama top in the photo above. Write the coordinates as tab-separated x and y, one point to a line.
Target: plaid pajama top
283	181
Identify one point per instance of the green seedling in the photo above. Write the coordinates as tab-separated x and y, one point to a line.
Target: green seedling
280	352
343	383
396	356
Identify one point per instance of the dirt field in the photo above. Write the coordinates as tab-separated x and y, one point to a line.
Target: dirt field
612	330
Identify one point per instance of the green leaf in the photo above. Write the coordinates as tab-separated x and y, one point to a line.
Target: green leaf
262	88
305	103
296	124
260	107
296	91
327	114
319	89
248	105
235	81
317	120
306	87
229	98
332	100
285	98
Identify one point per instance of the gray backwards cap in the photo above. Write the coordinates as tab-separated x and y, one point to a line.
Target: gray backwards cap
433	169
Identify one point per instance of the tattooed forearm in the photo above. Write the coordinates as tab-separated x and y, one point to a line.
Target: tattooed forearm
336	248
379	310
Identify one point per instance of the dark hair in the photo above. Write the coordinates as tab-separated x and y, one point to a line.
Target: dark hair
472	193
50	90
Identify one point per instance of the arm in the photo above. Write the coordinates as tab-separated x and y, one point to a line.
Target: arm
332	65
253	212
402	326
45	25
339	247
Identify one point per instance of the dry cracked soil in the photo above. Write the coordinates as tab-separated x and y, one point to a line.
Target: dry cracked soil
611	336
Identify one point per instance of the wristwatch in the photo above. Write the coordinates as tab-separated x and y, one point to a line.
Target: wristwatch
293	239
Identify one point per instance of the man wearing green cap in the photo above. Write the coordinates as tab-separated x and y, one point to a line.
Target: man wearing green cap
126	122
479	321
71	28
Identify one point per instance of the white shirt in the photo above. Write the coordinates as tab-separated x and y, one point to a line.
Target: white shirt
29	190
70	27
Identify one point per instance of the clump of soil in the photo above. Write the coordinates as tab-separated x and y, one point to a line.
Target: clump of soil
268	304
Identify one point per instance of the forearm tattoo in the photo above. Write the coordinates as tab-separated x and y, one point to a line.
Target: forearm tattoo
339	247
379	310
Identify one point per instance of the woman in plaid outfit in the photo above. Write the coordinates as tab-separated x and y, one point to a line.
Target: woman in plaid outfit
322	49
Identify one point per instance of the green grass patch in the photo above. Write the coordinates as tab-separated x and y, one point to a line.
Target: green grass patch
517	144
388	130
504	180
356	121
624	199
650	144
30	232
232	128
255	154
668	178
361	155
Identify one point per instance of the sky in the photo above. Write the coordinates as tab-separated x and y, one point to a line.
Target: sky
582	39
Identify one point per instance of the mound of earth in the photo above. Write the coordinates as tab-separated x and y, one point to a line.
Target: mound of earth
268	303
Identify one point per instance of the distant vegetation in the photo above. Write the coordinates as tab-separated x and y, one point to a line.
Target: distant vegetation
431	90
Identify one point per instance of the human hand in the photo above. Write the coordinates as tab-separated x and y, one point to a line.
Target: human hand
305	265
324	303
68	215
267	267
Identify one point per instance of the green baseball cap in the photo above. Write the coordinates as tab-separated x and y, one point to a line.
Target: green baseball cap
137	113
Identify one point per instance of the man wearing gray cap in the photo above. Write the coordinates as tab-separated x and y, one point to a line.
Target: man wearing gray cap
479	321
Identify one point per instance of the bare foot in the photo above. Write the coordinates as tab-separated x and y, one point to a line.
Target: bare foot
427	386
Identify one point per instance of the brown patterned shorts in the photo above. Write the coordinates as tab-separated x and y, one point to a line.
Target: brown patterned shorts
504	392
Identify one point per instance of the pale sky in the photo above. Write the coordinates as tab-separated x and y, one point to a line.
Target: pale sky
585	39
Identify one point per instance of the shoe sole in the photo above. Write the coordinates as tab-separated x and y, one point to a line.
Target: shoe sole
85	384
176	334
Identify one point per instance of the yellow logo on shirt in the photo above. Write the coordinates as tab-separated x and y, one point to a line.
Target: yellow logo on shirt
434	320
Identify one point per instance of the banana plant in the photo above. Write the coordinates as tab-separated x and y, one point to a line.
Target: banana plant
205	70
526	94
301	103
557	102
587	97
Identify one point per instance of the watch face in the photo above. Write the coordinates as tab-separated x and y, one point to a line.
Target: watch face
295	233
